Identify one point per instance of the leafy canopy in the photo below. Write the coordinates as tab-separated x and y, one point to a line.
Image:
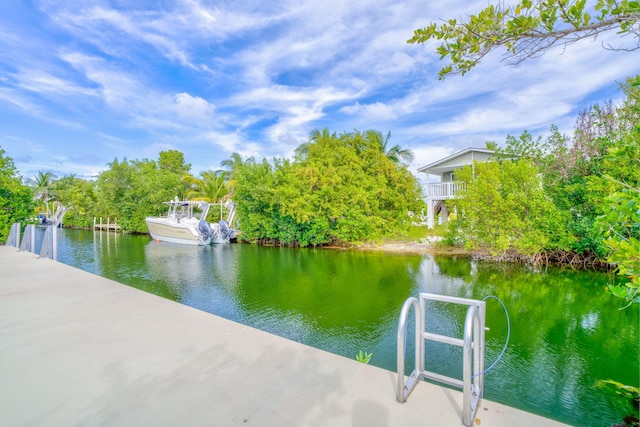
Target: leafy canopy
622	223
528	29
504	208
16	199
79	196
210	187
133	190
339	188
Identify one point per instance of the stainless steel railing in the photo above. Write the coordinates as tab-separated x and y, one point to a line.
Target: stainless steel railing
473	351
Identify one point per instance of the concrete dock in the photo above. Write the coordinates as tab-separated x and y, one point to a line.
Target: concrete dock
80	350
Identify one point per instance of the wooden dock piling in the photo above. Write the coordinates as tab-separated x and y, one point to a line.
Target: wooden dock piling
106	227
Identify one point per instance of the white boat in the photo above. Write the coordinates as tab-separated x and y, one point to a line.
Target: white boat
186	223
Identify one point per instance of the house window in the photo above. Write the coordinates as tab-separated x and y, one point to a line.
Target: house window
453	176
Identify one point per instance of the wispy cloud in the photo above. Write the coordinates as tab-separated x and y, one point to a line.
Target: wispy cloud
209	79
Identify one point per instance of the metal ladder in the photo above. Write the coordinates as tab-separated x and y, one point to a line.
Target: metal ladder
472	358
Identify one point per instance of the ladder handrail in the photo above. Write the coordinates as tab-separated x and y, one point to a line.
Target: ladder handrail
473	351
471	392
402	392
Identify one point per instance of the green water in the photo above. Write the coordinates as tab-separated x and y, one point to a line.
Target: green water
566	332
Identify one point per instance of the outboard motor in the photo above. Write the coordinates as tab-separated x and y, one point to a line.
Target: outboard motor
225	231
205	228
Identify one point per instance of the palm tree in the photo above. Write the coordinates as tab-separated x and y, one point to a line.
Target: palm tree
210	187
233	165
302	150
316	135
41	183
396	153
60	189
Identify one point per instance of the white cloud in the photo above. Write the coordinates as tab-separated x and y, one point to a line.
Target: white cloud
19	100
128	95
427	155
256	78
193	108
229	142
152	151
375	111
117	89
46	83
102	24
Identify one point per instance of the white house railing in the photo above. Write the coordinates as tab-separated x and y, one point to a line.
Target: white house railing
444	190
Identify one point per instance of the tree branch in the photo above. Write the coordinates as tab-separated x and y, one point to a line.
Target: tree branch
527	31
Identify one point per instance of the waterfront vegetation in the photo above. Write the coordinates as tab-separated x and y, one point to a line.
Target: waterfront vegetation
16	199
570	199
566	199
340	189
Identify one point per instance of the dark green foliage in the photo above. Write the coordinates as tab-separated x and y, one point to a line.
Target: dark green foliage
133	190
210	187
622	225
341	188
173	162
128	191
16	199
603	158
41	184
505	208
81	199
547	194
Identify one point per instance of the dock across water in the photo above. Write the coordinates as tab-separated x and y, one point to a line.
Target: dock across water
79	349
108	226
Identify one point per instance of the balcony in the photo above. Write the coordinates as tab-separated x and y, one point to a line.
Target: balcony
444	190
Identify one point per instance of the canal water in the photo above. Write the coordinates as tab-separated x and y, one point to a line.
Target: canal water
567	333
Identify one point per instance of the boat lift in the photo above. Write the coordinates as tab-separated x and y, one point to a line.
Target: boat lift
49	244
472	358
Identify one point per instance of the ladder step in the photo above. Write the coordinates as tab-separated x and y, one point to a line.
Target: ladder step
454	382
443	339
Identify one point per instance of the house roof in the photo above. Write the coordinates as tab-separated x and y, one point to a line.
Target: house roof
449	163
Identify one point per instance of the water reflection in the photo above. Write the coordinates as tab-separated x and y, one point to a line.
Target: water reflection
566	332
203	277
176	263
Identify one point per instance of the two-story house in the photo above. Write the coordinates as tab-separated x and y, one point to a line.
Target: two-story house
448	188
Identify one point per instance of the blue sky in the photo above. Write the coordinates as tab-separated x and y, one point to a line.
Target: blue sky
84	82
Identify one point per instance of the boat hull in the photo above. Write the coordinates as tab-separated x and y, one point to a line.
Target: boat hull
186	234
